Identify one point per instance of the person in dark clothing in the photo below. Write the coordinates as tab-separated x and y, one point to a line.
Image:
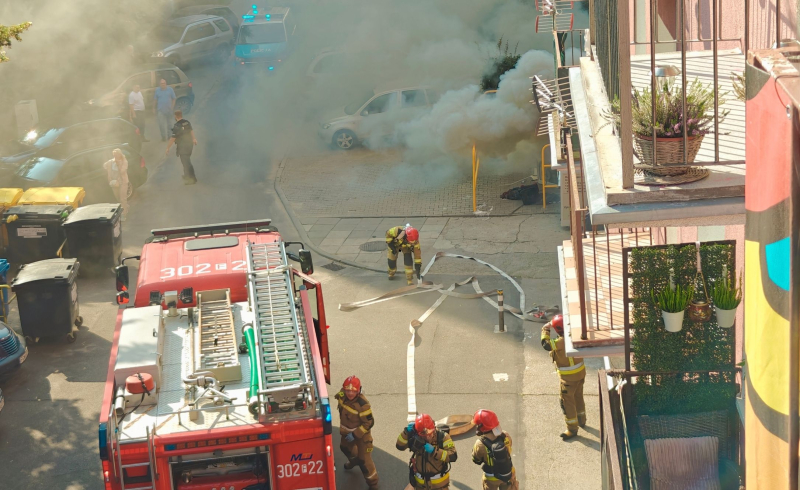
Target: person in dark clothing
183	137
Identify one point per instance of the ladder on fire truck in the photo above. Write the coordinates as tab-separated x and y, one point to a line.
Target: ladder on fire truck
283	358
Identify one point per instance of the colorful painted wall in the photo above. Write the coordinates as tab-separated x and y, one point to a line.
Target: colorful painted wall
767	280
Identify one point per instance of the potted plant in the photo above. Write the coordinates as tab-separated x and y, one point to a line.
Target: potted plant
726	296
668	122
673	301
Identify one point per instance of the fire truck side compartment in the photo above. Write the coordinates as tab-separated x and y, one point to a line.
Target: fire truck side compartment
141	344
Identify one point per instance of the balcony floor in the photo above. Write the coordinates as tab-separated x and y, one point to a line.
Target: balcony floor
724	180
605	315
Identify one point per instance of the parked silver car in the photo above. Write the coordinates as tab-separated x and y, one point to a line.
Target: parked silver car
185	39
375	115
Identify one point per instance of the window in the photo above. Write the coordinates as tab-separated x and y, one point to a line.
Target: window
381	104
414	98
223	26
171	76
42	169
200	31
272	32
144	80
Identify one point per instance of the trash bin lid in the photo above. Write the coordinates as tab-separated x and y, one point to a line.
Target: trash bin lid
37	211
94	212
46	270
54	195
9	197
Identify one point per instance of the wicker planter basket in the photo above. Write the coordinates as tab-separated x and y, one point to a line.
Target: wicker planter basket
714	424
668	150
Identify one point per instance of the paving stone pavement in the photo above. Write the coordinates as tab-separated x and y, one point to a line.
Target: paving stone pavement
365	183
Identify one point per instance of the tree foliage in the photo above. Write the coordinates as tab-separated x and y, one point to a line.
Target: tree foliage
502	62
7	33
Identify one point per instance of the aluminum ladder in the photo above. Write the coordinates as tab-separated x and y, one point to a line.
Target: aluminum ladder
151	452
283	357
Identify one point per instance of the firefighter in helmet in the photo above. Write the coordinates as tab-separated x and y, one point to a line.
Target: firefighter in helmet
492	451
404	239
572	373
355	423
432	451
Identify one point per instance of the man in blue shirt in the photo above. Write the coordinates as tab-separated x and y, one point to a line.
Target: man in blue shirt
164	98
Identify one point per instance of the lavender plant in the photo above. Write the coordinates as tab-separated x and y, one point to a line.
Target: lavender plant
668	120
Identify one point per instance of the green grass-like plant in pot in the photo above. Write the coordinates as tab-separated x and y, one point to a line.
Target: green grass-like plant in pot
673	303
726	296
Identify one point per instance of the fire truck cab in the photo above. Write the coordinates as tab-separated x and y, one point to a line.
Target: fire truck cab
217	375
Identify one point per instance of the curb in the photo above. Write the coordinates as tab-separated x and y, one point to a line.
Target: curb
302	231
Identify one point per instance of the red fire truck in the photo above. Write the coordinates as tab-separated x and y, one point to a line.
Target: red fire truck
217	377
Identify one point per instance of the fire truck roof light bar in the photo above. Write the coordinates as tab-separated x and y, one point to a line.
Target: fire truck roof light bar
251	225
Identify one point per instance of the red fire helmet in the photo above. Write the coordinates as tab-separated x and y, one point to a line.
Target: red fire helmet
412	234
485	420
424	424
558	323
352	383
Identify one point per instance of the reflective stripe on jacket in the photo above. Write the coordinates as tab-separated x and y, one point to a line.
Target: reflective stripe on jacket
569	368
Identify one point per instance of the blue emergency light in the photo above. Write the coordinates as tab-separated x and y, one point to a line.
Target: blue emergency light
271	68
248	17
255	6
267	16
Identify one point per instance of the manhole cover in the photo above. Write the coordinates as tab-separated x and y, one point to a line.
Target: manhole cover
333	266
374	246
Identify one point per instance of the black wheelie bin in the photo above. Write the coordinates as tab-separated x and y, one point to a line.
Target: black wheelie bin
35	232
47	297
94	236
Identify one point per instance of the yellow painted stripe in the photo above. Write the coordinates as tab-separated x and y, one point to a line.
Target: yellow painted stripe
350	409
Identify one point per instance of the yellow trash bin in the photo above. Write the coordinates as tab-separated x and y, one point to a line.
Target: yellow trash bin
72	196
8	198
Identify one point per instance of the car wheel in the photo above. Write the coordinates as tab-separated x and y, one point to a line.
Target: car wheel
344	139
184	105
129	191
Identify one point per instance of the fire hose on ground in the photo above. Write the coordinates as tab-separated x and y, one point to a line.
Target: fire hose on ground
460	424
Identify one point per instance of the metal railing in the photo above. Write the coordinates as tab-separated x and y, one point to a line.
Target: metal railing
566	40
577	218
613	460
611	39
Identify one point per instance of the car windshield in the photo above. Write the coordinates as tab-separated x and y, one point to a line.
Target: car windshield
41	140
262	33
167	33
352	107
42	169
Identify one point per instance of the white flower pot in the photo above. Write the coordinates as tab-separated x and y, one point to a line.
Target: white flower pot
673	322
725	318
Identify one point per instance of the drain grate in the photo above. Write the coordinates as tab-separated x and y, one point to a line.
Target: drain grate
374	246
333	266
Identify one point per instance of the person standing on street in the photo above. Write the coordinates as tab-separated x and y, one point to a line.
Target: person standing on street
572	373
432	451
136	105
404	239
163	105
355	424
117	172
183	137
492	451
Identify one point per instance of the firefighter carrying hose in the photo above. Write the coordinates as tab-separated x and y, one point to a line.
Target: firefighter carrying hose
492	451
432	451
572	373
404	239
355	423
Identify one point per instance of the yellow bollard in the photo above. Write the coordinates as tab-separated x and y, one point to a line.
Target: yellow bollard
476	164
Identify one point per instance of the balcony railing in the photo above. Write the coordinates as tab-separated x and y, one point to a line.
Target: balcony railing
624	427
694	25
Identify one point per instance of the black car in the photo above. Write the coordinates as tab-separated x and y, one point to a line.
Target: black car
13	350
84	169
64	141
218	10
